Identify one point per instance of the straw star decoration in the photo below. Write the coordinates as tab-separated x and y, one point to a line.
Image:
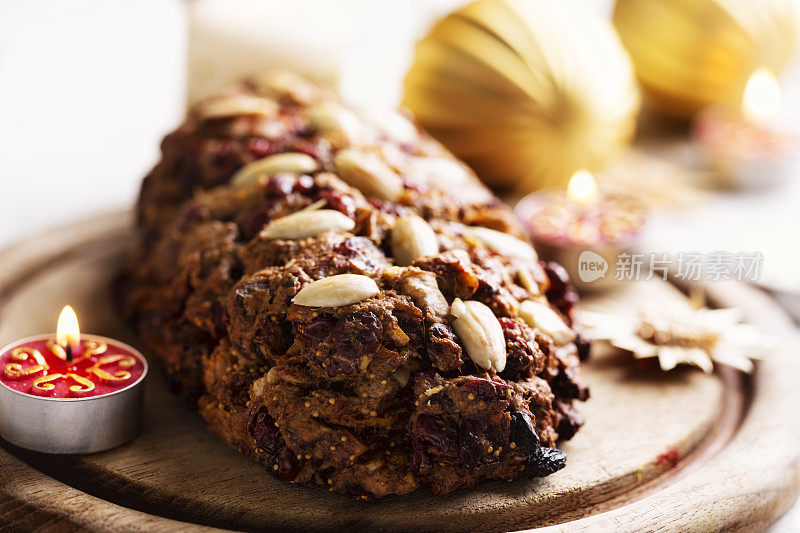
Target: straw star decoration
699	337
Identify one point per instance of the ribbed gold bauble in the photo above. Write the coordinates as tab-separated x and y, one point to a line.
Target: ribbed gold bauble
526	91
692	53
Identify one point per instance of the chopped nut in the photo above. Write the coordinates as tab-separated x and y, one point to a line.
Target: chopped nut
235	105
542	317
502	243
391	124
272	376
283	83
439	171
412	238
367	172
260	385
331	117
307	224
294	162
527	281
480	333
424	290
336	291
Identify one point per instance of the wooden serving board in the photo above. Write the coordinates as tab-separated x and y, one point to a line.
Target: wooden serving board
674	450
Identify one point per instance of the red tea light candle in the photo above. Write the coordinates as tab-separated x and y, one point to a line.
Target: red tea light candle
70	393
741	146
565	224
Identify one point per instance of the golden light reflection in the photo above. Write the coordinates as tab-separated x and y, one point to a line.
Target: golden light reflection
762	96
582	187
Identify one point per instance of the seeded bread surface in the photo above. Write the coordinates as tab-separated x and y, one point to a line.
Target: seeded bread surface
378	394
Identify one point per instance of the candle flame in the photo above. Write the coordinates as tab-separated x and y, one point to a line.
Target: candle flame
582	187
762	96
68	332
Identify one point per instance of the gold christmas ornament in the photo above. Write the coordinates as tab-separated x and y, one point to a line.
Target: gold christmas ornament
525	91
692	53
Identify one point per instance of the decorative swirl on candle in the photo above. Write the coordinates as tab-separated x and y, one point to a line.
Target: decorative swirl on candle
90	348
94	348
45	384
16	370
124	361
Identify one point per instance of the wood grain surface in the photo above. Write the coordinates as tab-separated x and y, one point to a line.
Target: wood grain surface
737	439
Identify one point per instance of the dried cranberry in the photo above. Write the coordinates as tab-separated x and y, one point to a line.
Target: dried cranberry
308	147
569	420
224	158
437	434
469	439
259	147
485	389
340	202
281	185
318	329
288	466
411	326
524	434
544	462
254	223
221	318
559	279
303	184
357	334
560	292
263	430
348	247
417	455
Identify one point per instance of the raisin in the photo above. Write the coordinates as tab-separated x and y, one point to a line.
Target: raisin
569	420
357	334
263	430
417	456
524	356
437	434
560	292
544	462
524	434
318	329
485	389
442	348
288	466
469	439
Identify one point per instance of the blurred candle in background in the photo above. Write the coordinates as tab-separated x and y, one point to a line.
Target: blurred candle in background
743	146
583	224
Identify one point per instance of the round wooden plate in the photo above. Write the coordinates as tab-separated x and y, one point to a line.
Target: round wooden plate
681	449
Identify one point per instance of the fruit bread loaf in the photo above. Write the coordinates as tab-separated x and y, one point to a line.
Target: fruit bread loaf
345	302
